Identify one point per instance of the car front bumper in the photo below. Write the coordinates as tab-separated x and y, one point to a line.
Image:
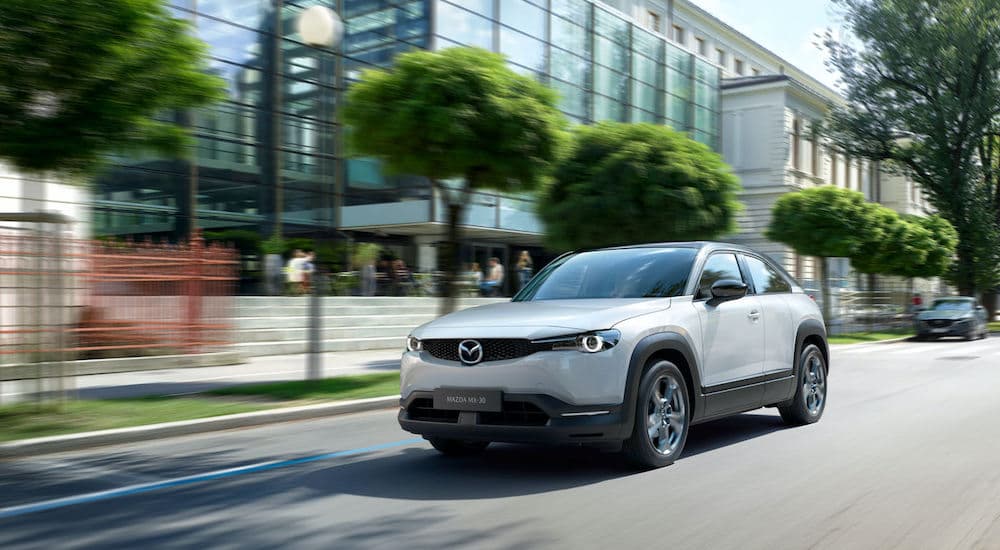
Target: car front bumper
954	329
525	418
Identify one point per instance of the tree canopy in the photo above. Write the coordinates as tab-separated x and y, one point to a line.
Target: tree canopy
922	81
627	183
82	78
456	113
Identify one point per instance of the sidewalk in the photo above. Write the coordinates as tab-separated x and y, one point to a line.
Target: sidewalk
274	368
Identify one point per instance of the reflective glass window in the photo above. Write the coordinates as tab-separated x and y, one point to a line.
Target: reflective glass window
678	83
523	16
610	83
568	36
568	67
704	120
644	96
706	72
647	44
572	99
676	109
645	69
575	10
766	279
464	27
678	59
609	54
611	27
522	49
606	108
638	115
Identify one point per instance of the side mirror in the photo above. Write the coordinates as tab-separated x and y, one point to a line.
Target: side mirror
728	289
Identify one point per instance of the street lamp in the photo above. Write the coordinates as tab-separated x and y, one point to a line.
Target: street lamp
319	27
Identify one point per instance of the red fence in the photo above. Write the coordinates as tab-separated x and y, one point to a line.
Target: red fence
66	298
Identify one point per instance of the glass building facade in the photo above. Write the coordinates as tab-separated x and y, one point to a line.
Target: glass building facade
271	153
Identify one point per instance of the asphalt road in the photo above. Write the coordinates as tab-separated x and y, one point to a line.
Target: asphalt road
907	456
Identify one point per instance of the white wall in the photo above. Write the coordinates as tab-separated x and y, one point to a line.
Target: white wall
33	193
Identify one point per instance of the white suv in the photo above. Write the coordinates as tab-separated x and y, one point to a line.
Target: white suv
628	345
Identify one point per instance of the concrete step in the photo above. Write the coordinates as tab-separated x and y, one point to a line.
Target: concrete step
283	301
331	321
278	335
257	349
334	310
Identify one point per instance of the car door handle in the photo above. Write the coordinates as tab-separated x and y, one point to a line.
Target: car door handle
754	315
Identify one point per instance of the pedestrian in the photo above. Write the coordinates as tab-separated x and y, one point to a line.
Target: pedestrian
918	302
402	278
293	271
524	269
308	269
368	277
494	278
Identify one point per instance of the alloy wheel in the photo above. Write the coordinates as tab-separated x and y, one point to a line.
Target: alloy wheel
814	383
666	415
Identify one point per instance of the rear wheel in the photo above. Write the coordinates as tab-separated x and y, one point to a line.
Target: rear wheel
810	397
458	447
662	417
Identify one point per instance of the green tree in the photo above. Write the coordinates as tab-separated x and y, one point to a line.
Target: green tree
923	91
936	238
82	78
825	222
627	183
456	113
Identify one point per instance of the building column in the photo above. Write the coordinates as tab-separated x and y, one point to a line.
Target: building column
426	252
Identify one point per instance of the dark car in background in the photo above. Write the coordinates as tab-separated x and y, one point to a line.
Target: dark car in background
954	316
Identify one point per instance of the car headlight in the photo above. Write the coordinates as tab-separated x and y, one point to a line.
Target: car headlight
588	342
414	344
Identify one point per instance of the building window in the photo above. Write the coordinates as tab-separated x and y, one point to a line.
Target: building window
720	56
739	66
678	34
654	21
796	136
702	47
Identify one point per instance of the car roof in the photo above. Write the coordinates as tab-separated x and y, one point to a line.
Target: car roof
698	245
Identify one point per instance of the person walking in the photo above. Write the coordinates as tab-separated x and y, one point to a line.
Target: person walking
293	271
494	278
524	269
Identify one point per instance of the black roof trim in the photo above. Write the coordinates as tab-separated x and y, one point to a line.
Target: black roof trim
739	82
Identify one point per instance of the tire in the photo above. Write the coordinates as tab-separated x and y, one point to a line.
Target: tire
971	335
662	407
458	447
810	395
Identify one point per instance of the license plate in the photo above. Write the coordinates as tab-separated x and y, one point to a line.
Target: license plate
939	330
460	399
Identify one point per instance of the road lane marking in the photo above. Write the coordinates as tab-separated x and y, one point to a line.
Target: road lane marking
24	509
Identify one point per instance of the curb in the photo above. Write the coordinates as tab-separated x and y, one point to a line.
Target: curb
86	440
890	341
86	367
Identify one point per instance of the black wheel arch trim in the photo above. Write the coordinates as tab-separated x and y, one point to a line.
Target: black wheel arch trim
643	352
810	327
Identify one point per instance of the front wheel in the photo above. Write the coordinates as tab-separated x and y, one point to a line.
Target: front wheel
458	447
662	417
810	397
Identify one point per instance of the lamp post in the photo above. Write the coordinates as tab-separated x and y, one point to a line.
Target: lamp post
319	27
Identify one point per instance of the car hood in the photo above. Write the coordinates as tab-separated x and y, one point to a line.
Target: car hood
946	314
540	319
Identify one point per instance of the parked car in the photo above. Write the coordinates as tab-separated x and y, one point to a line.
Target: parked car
626	346
954	316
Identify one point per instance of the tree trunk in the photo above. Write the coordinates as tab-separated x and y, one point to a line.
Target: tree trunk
965	276
449	259
825	284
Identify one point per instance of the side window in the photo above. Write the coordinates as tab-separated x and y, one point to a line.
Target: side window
717	268
766	279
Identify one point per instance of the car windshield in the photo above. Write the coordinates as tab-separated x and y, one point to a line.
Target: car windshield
955	305
618	273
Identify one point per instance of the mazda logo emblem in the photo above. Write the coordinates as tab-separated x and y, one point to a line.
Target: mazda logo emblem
470	352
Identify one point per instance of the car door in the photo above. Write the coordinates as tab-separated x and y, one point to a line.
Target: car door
773	290
732	346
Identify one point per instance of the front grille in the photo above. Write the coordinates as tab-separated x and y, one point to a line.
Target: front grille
939	323
494	349
423	409
515	413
